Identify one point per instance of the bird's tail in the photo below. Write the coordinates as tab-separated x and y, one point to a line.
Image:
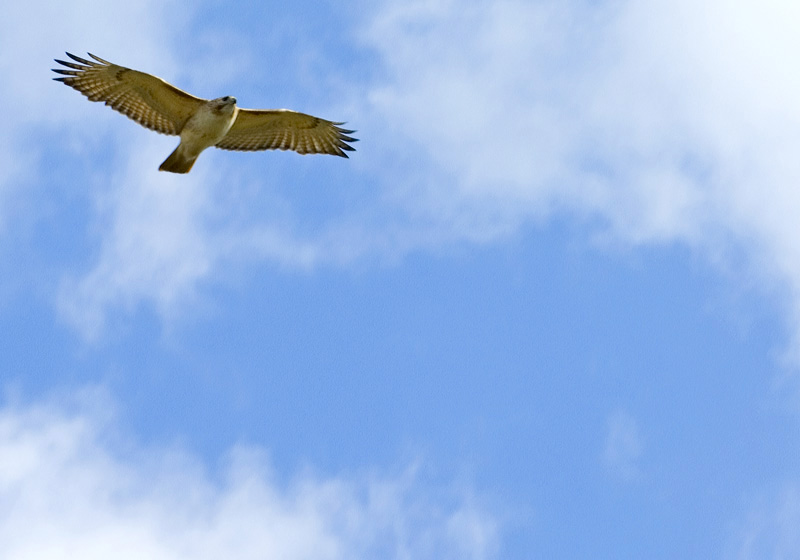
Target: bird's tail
178	161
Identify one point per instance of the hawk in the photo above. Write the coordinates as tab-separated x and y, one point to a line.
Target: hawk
200	123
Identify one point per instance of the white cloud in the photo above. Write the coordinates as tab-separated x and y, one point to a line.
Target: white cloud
71	485
668	121
623	446
640	113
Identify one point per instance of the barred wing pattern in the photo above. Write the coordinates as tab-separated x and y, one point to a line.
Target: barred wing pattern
281	129
148	100
201	123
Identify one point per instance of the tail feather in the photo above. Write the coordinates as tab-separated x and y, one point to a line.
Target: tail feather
178	161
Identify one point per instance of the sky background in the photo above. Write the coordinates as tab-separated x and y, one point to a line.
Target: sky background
550	308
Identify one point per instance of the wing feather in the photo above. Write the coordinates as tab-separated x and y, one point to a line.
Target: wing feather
281	129
148	100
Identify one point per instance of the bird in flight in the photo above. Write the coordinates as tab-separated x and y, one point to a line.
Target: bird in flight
201	123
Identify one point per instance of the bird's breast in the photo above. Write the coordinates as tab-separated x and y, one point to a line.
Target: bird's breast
208	126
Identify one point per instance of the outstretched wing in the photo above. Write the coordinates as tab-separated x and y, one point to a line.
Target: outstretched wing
148	100
281	129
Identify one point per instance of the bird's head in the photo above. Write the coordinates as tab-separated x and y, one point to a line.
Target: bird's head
224	104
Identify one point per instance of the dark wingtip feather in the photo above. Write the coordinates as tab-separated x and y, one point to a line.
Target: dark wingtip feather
81	60
98	59
75	69
72	65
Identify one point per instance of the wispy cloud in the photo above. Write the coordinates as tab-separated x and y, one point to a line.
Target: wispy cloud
148	30
623	446
162	236
153	247
663	123
34	40
34	149
73	485
640	115
770	528
158	238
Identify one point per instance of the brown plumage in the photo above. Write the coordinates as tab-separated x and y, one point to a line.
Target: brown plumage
201	123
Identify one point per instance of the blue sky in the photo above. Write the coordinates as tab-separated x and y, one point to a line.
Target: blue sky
549	309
